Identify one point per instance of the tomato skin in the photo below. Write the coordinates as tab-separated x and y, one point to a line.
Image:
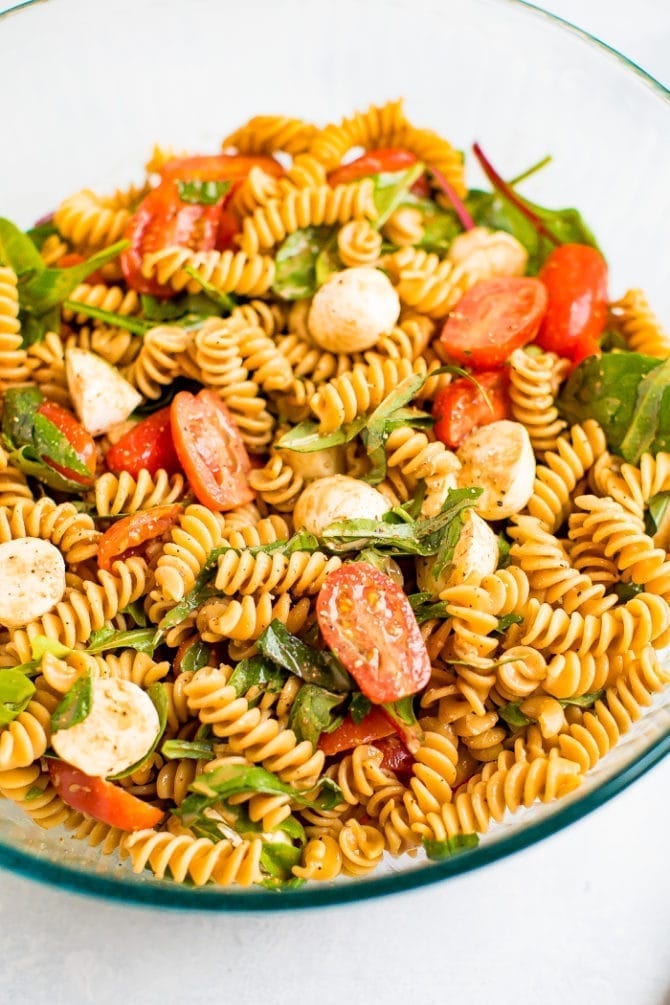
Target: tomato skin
349	734
80	440
101	799
461	408
147	445
375	161
492	319
218	167
210	449
575	276
397	757
134	530
162	220
366	620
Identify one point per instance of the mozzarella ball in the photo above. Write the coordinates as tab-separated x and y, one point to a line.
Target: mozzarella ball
475	556
499	459
353	309
317	464
489	253
32	578
337	497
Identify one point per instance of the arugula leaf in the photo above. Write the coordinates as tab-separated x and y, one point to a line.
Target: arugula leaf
41	644
390	188
195	305
383	562
426	608
305	437
16	690
75	706
657	507
505	621
53	447
278	858
626	591
173	750
143	640
131	324
201	591
196	656
440	227
34	792
202	193
315	666
27	461
160	702
359	706
606	388
224	300
312	713
438	851
18	416
50	287
504	546
296	262
378	427
136	612
650	423
328	261
257	671
18	251
516	719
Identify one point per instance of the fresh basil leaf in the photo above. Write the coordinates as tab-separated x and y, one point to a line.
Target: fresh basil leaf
649	429
438	851
18	251
75	706
656	511
278	858
48	289
626	591
18	415
295	262
505	621
53	447
142	640
202	193
174	750
160	702
196	657
16	690
302	540
305	437
314	666
390	188
131	324
257	671
359	707
313	713
41	644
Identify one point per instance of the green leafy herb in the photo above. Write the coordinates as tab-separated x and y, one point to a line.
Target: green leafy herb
75	706
402	714
426	608
516	719
379	425
278	859
328	261
160	702
18	251
626	591
188	305
505	621
504	545
40	645
224	300
359	707
136	612
390	188
657	508
141	639
41	231
296	262
54	447
608	388
201	591
257	672
16	690
34	792
313	713
48	288
202	193
131	324
305	437
383	562
315	666
196	656
438	851
174	750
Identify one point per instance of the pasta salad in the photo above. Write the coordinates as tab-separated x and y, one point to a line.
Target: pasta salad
333	506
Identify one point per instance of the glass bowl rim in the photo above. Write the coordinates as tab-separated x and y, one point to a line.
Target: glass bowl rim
180	897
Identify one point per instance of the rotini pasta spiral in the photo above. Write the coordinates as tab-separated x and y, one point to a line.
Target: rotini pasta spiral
430	285
534	380
90	221
198	859
61	523
639	325
226	271
265	134
122	493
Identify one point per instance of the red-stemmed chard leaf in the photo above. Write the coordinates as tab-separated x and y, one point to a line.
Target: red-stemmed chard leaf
508	192
456	202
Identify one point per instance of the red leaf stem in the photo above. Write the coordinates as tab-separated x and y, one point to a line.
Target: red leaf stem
505	189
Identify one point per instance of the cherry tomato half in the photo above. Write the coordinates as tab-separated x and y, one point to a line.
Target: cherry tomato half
147	445
375	161
350	734
460	408
210	449
492	319
79	439
397	757
162	220
575	276
132	531
218	167
367	621
101	799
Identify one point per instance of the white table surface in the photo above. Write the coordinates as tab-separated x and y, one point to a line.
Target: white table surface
582	918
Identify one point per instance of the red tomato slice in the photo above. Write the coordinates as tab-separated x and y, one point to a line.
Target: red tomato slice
101	799
219	167
492	319
350	734
397	757
575	276
367	621
147	445
132	531
211	450
460	408
162	220
375	161
79	439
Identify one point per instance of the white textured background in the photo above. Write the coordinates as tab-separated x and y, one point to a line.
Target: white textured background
581	919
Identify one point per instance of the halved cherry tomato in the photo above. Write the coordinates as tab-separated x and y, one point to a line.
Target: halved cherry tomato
211	450
460	408
147	445
162	220
218	167
132	531
493	318
350	734
397	757
367	621
375	161
101	799
575	276
79	439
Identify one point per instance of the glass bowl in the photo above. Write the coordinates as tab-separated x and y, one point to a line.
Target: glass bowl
104	84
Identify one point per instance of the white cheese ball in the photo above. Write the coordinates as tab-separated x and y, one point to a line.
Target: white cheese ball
353	309
475	556
500	460
489	253
32	580
118	731
337	497
316	464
